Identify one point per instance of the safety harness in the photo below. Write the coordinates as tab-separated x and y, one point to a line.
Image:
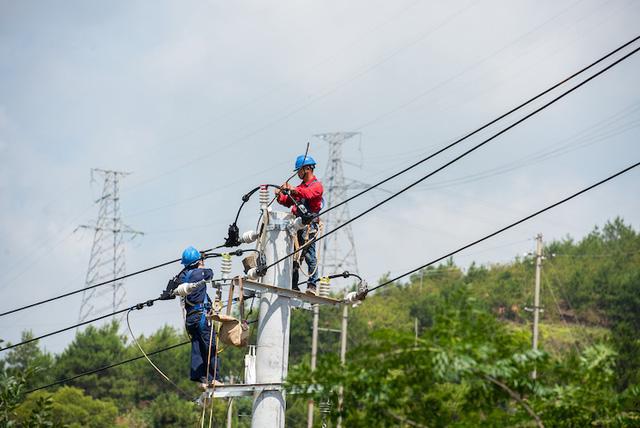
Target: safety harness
201	308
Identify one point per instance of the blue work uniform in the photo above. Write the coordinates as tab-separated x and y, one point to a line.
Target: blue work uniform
196	304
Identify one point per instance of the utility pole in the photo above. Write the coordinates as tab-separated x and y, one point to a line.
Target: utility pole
536	298
230	408
107	251
338	251
343	357
272	347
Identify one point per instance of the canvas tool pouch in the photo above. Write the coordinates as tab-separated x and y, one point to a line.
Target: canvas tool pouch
233	331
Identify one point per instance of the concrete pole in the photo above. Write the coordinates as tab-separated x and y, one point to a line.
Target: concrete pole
230	408
536	297
272	350
343	356
314	358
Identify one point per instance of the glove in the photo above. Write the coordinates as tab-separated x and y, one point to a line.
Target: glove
187	288
167	295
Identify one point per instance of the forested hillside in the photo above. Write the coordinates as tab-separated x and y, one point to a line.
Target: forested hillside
469	362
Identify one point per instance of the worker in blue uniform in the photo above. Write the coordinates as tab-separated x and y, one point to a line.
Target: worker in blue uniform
193	291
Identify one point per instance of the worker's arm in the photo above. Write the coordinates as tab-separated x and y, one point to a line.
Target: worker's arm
187	288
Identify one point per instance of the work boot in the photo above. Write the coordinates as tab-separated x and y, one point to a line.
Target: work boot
311	289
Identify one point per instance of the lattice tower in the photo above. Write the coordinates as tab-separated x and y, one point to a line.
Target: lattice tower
107	259
338	251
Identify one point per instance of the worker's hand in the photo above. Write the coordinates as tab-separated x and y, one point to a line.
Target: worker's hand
167	295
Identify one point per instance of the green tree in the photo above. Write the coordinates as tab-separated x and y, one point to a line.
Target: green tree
93	348
70	407
170	410
27	356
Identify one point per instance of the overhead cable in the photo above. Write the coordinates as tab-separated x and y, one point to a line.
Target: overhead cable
137	306
100	284
391	281
467	152
90	372
486	125
33	339
522	220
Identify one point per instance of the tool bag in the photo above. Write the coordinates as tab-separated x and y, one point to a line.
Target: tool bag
233	331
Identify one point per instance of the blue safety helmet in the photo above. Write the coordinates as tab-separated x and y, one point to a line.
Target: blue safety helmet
304	160
190	255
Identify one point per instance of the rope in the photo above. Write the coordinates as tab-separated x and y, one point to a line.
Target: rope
307	243
133	336
215	367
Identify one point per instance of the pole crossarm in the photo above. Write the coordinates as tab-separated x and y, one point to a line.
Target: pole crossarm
259	287
239	390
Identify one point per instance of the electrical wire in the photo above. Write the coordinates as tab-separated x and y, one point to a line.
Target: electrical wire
100	284
137	306
391	281
135	340
110	366
467	152
522	220
486	125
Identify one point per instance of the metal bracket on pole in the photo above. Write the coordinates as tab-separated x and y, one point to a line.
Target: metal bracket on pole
238	390
291	294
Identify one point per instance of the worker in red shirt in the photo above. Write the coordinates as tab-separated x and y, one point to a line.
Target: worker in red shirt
309	195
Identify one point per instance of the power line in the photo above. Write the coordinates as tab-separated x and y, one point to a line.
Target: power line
399	173
486	125
62	330
391	281
90	372
71	293
611	177
137	306
457	158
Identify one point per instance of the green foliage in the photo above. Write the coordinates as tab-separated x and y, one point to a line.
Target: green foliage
170	410
93	348
469	365
12	388
41	415
69	407
19	359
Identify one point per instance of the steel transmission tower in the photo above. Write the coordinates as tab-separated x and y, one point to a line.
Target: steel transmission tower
338	252
107	252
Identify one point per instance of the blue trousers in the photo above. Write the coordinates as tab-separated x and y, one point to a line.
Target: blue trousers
199	335
309	255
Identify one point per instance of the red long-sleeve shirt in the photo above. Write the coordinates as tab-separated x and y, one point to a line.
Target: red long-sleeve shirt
309	194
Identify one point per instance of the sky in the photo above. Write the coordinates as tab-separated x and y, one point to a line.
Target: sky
202	101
